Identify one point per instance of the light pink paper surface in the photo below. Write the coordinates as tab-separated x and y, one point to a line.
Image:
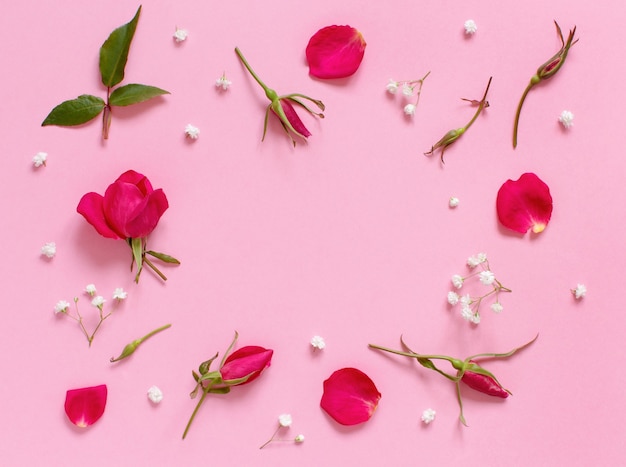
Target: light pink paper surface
348	236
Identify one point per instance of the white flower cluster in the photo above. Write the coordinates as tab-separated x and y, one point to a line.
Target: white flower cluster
580	291
470	304
318	343
410	89
223	83
428	416
155	395
567	119
49	250
39	159
180	34
470	27
191	131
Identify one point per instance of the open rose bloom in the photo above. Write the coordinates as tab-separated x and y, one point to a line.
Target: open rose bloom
350	396
524	204
130	209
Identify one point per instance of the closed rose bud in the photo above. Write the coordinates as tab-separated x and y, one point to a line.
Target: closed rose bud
250	360
485	383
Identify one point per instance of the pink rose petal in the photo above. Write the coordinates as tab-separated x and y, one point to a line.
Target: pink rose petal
91	208
294	119
350	396
524	204
335	52
85	406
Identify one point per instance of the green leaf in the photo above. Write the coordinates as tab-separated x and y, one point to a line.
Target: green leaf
114	52
137	246
134	93
163	257
75	111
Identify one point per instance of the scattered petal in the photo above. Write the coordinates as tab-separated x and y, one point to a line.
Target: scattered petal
284	419
428	416
61	307
567	119
580	291
191	131
49	250
350	396
524	204
85	406
120	294
180	35
40	159
318	342
155	395
335	52
470	26
454	202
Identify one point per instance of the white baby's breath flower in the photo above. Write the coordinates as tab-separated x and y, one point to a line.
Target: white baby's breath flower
284	419
475	318
470	26
299	439
453	298
457	281
477	259
580	291
486	277
318	342
120	294
49	250
223	83
566	118
98	301
428	416
409	109
192	131
497	307
466	312
155	395
61	307
392	86
40	159
90	289
180	34
407	90
453	202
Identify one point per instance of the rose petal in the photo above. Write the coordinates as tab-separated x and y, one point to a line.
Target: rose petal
146	220
85	406
91	208
335	52
350	396
293	118
122	204
137	179
525	203
246	360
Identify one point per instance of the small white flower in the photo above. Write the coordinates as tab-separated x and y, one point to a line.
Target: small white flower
475	318
180	34
457	281
284	419
453	298
49	249
454	202
486	277
580	291
497	307
318	342
120	294
428	416
299	439
61	306
155	394
466	300
407	90
470	26
392	86
477	259
566	118
98	301
467	313
223	82
40	159
409	109
192	131
90	289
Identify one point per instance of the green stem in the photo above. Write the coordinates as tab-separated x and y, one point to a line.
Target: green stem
156	331
154	268
270	93
271	439
205	391
519	108
481	106
93	334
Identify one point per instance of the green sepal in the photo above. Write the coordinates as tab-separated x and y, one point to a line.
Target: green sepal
134	93
204	366
136	245
75	111
114	52
163	257
225	390
230	347
235	382
195	375
128	350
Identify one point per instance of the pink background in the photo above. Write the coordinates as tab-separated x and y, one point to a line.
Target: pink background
348	236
